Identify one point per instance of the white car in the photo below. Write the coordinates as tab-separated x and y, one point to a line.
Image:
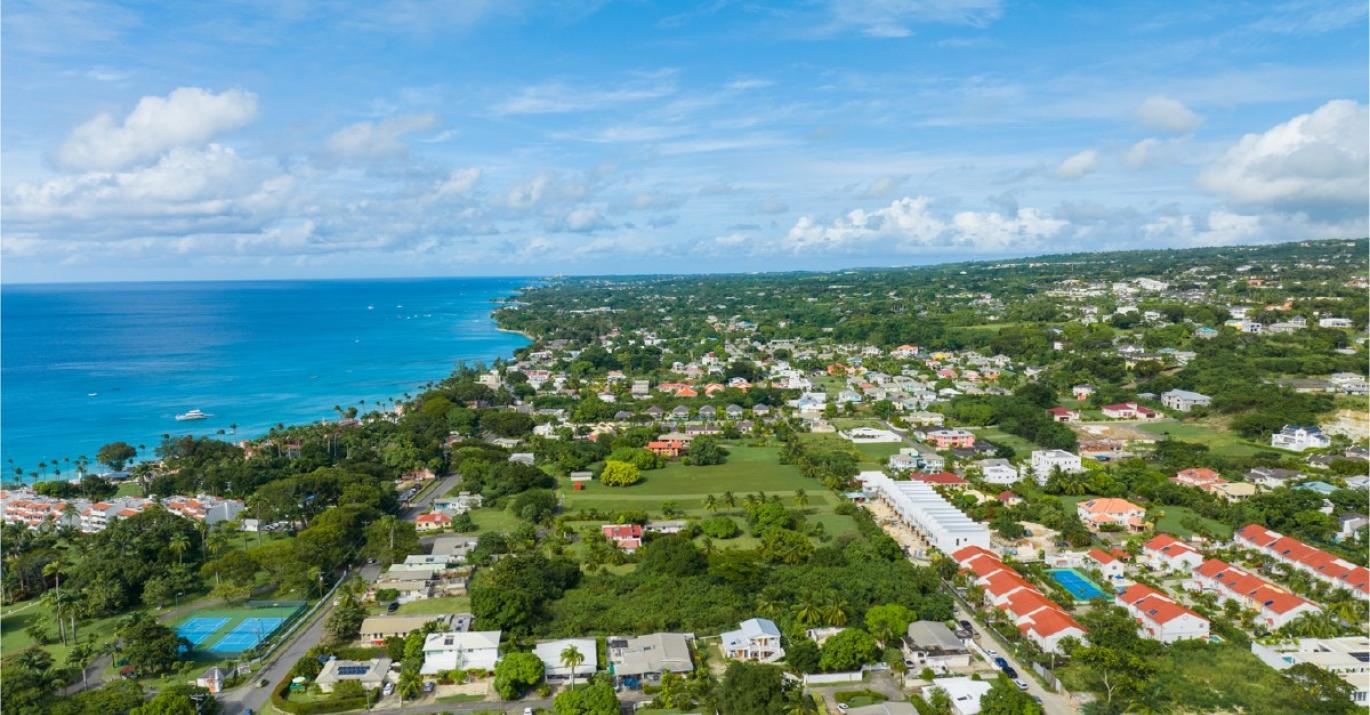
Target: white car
1021	685
527	711
388	689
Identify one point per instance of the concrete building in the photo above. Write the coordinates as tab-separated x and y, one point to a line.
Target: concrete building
1348	657
370	673
1332	570
1046	461
463	650
635	660
965	693
922	509
1160	617
755	639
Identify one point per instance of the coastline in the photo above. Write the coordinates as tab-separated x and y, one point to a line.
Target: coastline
292	407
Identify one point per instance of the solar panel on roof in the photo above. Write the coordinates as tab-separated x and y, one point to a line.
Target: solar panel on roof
353	669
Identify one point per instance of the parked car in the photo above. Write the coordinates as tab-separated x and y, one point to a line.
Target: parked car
428	686
394	606
263	683
965	625
1021	685
388	689
1001	662
1010	672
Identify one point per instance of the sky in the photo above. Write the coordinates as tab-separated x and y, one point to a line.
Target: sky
291	139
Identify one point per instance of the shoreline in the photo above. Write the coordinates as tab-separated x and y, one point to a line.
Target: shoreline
9	479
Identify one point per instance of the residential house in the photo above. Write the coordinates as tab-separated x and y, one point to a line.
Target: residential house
930	644
755	639
1107	564
212	680
464	650
1298	439
432	521
554	669
627	537
1272	477
998	471
1063	414
375	629
1102	512
1160	617
941	479
950	438
454	547
638	660
1184	400
965	693
371	674
667	448
1167	553
1129	411
1047	461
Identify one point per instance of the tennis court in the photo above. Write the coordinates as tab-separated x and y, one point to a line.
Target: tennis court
230	631
198	630
1077	584
247	634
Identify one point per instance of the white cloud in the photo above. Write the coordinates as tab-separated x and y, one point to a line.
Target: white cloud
558	98
883	187
895	18
908	225
367	141
1077	165
1314	163
459	182
1219	228
1142	153
187	117
584	220
207	182
1164	114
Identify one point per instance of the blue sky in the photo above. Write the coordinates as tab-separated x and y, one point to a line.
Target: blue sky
283	138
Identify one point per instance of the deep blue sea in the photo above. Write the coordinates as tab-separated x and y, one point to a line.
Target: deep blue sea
86	364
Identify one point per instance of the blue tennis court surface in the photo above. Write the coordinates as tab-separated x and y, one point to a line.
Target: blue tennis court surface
198	630
247	634
1077	584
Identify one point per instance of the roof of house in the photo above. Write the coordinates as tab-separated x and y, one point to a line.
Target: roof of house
1109	505
933	635
1100	556
942	478
1049	622
652	653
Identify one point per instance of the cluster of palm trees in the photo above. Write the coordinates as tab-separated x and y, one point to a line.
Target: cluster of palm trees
713	503
814	608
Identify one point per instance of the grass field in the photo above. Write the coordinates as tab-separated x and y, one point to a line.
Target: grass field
14	636
992	434
749	470
1220	441
430	606
878	453
1170	523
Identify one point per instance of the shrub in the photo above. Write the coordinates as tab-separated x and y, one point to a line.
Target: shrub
719	527
619	474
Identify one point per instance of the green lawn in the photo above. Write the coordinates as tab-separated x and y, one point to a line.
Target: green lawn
748	470
878	453
129	489
1217	439
1174	515
430	606
493	520
993	434
14	635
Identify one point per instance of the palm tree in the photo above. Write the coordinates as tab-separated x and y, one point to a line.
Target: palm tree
808	612
834	609
410	684
572	658
801	498
179	545
711	503
730	500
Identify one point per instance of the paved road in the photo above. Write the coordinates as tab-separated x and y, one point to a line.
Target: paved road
1053	703
248	695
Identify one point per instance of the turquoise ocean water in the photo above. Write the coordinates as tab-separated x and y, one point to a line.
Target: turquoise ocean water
85	364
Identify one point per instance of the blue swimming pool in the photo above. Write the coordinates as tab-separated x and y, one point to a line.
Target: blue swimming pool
1077	584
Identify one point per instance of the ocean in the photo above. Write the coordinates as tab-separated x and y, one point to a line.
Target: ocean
86	364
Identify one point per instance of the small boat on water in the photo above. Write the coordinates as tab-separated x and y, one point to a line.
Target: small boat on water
191	416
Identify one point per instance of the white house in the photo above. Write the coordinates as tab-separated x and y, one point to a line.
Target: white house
1298	439
1160	617
549	652
930	644
755	639
460	650
1344	656
922	509
998	471
1184	400
964	693
370	673
1167	553
1045	461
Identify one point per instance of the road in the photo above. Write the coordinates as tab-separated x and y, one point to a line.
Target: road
248	695
1052	703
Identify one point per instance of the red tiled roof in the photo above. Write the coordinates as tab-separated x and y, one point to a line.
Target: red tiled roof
1100	556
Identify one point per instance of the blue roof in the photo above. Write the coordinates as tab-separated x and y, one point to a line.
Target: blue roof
1319	487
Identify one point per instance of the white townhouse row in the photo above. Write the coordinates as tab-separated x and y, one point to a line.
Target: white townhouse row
1160	617
922	509
1046	461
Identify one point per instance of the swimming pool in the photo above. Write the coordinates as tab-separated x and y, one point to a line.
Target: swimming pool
1077	584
